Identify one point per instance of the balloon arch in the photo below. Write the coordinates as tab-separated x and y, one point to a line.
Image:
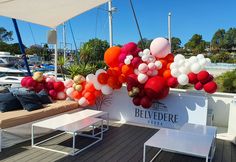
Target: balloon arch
148	74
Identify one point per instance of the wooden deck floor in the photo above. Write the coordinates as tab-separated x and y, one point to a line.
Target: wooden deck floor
121	143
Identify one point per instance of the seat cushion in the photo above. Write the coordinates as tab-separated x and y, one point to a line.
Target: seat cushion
30	102
44	98
18	117
8	102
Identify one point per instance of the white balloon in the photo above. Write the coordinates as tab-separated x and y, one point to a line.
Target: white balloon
90	78
97	85
193	59
208	61
154	73
100	71
174	65
183	79
151	59
106	90
187	65
145	57
146	52
175	72
158	64
130	57
183	70
61	95
68	83
127	61
202	62
136	71
200	56
83	101
195	68
143	68
142	78
69	91
149	72
151	66
180	62
179	57
140	54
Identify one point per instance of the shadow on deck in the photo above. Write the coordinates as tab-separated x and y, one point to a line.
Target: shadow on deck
121	143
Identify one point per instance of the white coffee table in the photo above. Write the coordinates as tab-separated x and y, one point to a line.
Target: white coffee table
71	124
179	142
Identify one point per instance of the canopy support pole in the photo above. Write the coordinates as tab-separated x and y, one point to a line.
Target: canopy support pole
22	49
110	23
64	40
55	58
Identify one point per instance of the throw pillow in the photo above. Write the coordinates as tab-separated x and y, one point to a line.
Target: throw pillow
30	102
9	102
45	99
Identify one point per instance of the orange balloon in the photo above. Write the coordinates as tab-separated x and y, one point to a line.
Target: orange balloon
111	56
122	78
92	102
89	96
76	95
89	87
169	57
167	74
168	65
112	81
102	78
126	70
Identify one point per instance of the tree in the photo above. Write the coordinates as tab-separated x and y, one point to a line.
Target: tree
34	49
93	50
218	41
146	43
5	35
175	44
230	39
196	44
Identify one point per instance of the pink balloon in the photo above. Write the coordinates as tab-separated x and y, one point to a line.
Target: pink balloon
122	57
129	48
160	47
61	95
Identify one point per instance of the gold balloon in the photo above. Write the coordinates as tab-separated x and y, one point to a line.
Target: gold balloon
79	79
38	76
78	87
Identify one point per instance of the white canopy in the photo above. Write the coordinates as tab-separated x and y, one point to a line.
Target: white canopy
50	13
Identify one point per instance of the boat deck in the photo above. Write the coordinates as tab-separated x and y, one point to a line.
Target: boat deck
121	143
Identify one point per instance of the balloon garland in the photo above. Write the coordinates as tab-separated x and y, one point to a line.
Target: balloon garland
148	74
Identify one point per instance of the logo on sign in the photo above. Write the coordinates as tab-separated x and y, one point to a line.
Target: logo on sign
157	115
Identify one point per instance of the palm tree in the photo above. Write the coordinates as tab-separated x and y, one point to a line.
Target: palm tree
61	63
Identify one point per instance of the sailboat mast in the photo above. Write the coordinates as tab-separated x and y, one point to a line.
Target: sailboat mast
64	39
169	28
110	23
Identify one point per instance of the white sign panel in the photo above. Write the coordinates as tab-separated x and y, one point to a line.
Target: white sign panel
171	112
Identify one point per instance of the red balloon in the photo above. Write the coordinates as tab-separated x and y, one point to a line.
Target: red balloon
169	57
39	86
154	86
136	61
132	79
102	78
49	85
198	86
30	83
89	96
58	86
192	78
146	102
172	82
53	93
210	87
164	93
24	81
136	101
202	76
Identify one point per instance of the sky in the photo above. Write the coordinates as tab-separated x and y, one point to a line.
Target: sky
188	17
